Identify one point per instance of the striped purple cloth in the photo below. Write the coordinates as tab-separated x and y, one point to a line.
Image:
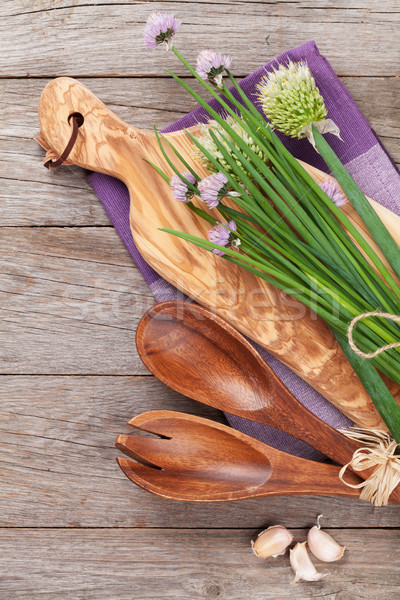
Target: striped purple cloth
364	157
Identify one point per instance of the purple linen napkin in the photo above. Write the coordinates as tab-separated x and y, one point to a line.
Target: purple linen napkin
366	160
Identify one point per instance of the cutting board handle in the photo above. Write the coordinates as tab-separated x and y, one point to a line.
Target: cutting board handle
105	143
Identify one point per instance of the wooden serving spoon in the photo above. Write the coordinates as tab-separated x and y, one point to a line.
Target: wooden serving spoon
198	460
198	354
289	331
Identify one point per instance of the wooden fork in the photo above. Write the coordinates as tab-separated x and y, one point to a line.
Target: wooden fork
198	460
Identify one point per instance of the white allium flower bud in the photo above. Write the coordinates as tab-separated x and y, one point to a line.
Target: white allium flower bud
292	102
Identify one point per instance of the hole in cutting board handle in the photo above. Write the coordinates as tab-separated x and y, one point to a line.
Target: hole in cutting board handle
79	117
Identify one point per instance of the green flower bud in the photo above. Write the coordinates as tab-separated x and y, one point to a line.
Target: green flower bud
291	100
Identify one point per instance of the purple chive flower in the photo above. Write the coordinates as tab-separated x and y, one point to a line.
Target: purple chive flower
211	66
160	27
223	234
332	190
213	188
180	190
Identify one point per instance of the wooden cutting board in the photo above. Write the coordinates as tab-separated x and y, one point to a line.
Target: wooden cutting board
276	321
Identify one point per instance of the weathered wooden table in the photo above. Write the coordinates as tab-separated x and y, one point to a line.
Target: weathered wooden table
73	527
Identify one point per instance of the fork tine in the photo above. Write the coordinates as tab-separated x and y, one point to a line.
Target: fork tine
141	448
157	422
164	484
151	480
140	474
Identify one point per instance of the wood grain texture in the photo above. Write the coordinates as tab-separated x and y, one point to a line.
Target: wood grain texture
58	463
64	196
71	300
283	326
359	37
187	564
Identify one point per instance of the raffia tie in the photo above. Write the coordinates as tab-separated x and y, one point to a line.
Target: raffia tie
395	318
378	452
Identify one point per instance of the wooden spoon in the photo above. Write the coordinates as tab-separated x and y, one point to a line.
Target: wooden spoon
198	460
198	354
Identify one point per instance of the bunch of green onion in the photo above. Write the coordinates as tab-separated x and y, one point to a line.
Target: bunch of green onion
294	237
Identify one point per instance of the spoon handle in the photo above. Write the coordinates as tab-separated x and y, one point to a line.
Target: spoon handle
292	417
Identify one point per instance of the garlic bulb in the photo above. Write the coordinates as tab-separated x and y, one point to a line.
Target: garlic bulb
272	542
322	545
302	565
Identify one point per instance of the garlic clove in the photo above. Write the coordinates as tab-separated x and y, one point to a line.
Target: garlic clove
322	545
272	542
302	565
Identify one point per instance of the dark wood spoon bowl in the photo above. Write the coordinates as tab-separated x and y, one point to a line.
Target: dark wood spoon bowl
198	460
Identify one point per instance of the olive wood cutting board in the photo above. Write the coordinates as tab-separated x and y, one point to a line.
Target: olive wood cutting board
279	323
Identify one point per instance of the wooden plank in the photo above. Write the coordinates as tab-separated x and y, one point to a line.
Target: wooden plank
181	565
385	6
31	195
58	463
71	301
100	38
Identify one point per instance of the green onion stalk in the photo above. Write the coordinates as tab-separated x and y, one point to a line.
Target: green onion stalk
283	227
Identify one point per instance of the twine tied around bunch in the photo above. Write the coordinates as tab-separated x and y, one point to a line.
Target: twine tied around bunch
378	452
353	323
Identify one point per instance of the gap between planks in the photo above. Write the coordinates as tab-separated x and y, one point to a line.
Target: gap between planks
160	76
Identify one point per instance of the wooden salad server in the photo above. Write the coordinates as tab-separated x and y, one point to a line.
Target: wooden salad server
276	321
198	460
199	355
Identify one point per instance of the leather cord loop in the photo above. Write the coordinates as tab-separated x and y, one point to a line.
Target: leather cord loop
76	123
